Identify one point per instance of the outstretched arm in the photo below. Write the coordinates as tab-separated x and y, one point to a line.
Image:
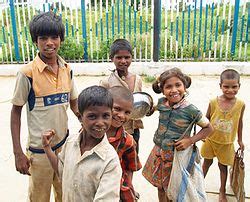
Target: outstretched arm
46	140
240	127
21	161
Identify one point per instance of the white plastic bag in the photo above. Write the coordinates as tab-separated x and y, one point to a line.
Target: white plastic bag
187	179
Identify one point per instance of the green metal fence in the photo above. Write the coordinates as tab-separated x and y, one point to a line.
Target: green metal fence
213	30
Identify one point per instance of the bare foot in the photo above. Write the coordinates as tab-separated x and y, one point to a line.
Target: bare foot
222	197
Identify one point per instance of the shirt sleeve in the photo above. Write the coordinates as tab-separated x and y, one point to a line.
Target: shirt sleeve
104	83
73	91
203	121
109	186
130	157
22	89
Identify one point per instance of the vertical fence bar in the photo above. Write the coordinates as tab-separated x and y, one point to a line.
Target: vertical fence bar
211	32
25	30
96	32
171	28
101	20
77	28
182	28
118	17
60	8
235	25
176	32
242	27
247	31
222	28
135	30
14	30
199	38
166	31
4	36
29	18
107	21
107	26
189	22
113	19
140	30
71	22
124	17
90	31
216	29
146	32
129	20
194	28
205	33
152	29
84	33
157	28
66	19
228	29
8	31
20	31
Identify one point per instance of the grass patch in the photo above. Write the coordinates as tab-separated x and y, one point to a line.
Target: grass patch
148	79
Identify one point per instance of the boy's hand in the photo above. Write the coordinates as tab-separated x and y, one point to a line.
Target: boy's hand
47	137
183	144
241	145
22	163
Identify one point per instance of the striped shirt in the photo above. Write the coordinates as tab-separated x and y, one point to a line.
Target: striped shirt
125	147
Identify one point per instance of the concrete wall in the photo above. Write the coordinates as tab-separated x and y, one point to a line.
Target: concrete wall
149	68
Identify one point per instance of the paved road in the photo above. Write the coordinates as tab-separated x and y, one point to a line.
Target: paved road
13	186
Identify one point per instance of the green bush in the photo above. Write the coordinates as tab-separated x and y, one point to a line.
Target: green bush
71	50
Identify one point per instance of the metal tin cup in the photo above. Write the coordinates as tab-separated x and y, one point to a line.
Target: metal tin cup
143	103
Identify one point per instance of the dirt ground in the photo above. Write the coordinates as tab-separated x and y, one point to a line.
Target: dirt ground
14	186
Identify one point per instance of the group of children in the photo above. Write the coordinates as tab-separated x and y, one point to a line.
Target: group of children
97	164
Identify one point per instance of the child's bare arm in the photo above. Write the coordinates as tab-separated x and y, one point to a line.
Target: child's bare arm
186	142
240	127
46	140
208	112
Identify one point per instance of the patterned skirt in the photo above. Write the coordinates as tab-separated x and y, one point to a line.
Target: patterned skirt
158	167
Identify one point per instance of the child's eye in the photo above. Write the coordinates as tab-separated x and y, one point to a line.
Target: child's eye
178	85
106	116
91	116
128	112
117	109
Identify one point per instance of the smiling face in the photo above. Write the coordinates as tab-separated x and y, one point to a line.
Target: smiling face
96	120
122	109
48	47
122	60
230	88
174	90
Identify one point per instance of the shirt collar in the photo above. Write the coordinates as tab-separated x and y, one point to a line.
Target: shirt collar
119	134
100	149
41	65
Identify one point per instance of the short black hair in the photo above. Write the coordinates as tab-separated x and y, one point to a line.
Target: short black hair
120	44
94	96
121	92
46	24
229	74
